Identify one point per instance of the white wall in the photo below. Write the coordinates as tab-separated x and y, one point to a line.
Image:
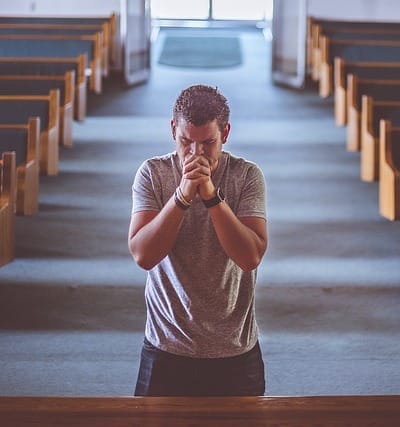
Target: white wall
367	10
57	7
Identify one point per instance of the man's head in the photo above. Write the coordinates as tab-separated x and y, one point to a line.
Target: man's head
201	104
200	123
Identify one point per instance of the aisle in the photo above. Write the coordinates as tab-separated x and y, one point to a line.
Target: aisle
71	304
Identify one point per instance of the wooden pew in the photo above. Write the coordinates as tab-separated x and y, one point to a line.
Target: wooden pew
379	90
389	171
57	46
109	25
7	208
352	50
68	30
52	66
25	141
17	110
41	85
324	411
347	29
366	70
371	113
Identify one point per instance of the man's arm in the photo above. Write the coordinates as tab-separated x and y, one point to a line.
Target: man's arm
152	234
244	240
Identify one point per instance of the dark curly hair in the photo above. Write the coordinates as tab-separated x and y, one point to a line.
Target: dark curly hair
201	104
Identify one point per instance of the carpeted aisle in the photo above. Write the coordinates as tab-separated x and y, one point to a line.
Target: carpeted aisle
71	304
196	50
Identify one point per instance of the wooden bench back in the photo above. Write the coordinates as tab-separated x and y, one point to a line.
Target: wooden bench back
352	411
377	110
359	50
20	45
24	139
352	50
107	23
393	143
30	31
52	66
17	109
7	207
39	85
364	70
55	43
379	89
389	170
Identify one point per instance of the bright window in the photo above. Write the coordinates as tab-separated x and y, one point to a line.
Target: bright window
180	9
256	10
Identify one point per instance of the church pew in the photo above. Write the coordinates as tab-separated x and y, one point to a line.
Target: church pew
56	46
41	85
347	29
366	70
7	208
54	29
18	108
352	50
108	24
24	139
371	113
389	170
52	66
322	411
378	89
313	33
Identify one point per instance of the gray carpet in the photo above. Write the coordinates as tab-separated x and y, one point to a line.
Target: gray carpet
201	51
328	296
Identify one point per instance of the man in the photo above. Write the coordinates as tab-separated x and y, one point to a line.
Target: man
199	227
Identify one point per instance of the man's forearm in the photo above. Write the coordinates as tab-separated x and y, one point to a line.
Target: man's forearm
151	243
244	245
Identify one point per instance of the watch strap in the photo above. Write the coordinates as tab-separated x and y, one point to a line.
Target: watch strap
219	197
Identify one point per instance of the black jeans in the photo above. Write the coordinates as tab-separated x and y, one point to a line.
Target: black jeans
165	374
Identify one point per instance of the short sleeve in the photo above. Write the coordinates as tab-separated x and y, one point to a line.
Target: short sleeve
253	195
143	194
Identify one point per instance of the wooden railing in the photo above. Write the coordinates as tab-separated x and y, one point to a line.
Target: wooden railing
325	411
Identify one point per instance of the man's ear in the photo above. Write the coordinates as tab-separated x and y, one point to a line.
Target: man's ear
225	133
173	129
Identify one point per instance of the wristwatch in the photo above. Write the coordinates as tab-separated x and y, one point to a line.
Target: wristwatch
219	197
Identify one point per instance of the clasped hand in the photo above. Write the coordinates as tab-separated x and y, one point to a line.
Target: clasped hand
196	177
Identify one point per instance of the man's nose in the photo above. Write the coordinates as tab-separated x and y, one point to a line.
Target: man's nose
196	148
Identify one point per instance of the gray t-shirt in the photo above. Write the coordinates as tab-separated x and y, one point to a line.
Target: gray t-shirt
199	302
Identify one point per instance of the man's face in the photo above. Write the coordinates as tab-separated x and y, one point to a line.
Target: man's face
205	140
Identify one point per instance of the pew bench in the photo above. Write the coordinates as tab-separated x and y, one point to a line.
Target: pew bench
352	50
25	141
41	85
56	67
317	25
108	24
325	411
389	170
379	90
364	70
57	46
72	29
357	30
371	113
7	208
17	109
